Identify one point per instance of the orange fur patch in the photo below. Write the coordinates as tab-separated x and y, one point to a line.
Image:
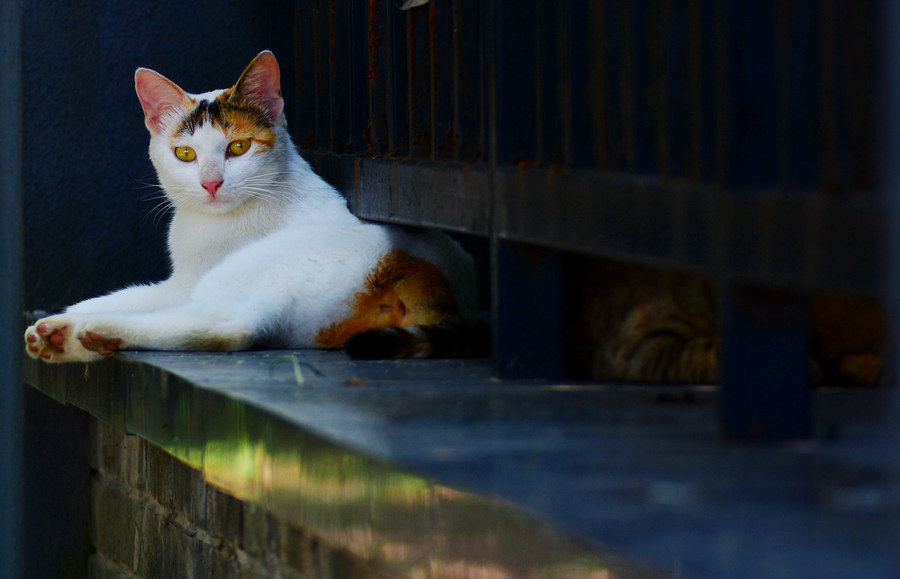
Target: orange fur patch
401	290
244	127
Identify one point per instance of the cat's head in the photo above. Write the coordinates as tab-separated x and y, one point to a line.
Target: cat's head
219	150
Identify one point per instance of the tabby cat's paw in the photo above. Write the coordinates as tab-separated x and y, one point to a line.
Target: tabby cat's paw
865	368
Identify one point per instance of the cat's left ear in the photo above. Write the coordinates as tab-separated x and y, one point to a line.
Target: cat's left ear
261	83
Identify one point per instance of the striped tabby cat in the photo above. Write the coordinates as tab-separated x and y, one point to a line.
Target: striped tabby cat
631	323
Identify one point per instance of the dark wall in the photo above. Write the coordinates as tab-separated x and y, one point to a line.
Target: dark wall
88	195
57	489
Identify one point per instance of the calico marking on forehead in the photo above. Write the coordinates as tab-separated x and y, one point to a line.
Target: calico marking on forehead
226	114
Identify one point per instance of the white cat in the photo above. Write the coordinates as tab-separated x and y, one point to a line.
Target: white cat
263	251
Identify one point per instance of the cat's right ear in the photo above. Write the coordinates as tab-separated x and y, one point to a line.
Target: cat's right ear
159	97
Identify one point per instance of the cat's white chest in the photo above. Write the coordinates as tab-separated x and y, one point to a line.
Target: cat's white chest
300	278
197	243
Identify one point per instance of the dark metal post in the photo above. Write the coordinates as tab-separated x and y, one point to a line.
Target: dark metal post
764	364
10	289
891	190
528	340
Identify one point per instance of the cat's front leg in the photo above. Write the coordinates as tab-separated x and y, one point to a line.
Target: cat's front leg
139	298
64	338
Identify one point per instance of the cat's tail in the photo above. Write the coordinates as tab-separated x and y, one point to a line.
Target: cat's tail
450	340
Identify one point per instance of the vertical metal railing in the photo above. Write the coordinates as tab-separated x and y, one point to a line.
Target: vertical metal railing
737	139
769	94
11	406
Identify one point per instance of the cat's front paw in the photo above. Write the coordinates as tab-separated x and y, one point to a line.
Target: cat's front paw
53	340
99	343
46	340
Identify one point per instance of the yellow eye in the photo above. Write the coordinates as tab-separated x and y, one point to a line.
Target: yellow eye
186	154
239	147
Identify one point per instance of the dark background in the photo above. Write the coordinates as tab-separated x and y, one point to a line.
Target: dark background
88	184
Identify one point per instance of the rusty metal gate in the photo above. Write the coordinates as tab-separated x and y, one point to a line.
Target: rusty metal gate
737	139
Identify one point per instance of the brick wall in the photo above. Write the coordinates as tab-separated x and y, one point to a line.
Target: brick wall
154	516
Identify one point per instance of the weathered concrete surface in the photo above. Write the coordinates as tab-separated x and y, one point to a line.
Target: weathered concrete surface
641	469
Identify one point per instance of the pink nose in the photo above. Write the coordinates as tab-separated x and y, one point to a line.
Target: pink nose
212	187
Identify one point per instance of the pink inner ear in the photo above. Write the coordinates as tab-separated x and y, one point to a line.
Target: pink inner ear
158	95
261	83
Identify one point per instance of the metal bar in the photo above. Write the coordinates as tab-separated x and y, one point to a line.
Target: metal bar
636	108
663	51
751	29
469	48
322	74
527	282
704	19
597	30
304	105
11	301
862	83
442	51
418	38
764	364
491	88
676	37
891	171
551	90
627	93
376	131
398	81
337	77
834	172
697	83
576	121
514	61
800	74
357	47
721	45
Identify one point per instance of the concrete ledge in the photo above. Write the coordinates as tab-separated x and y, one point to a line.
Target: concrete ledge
436	467
240	431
